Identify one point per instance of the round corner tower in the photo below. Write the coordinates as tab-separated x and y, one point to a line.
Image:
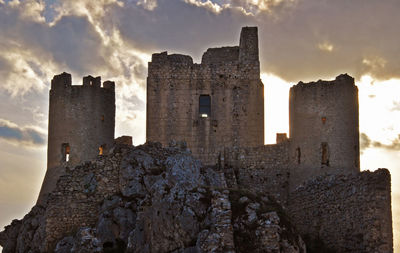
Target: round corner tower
324	128
81	124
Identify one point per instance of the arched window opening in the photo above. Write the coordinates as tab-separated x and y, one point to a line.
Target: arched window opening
205	106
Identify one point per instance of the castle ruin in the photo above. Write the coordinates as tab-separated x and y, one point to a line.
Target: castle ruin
217	108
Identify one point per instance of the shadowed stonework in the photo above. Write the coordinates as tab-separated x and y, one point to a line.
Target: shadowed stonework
81	124
205	181
229	77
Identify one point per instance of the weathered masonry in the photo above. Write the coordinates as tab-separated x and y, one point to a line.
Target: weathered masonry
324	131
216	107
218	103
81	124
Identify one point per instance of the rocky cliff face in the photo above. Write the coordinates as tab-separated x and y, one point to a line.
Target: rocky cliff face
151	199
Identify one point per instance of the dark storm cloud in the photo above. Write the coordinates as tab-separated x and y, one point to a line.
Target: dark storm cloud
22	135
178	27
74	41
299	39
30	44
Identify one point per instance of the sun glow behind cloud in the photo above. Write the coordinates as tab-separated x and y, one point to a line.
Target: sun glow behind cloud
325	46
276	106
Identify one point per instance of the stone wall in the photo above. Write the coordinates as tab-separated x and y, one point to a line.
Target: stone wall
82	120
75	201
175	84
261	169
345	213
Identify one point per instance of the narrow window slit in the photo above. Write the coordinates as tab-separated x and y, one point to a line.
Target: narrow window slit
325	154
298	155
65	152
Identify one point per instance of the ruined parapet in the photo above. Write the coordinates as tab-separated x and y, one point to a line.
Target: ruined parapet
218	103
324	130
81	124
220	55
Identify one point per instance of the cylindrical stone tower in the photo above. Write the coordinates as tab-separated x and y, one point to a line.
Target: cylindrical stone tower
324	129
81	124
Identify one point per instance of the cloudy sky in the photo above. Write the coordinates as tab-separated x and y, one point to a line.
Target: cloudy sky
299	40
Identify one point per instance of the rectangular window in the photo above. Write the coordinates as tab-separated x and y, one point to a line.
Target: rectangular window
205	106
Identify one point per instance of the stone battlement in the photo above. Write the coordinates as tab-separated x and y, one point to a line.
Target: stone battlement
64	80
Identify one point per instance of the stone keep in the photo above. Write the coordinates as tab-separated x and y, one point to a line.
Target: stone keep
81	124
218	103
324	131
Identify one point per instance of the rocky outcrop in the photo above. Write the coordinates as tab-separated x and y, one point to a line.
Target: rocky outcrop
151	199
25	235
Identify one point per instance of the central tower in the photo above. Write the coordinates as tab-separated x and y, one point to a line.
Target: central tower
218	103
